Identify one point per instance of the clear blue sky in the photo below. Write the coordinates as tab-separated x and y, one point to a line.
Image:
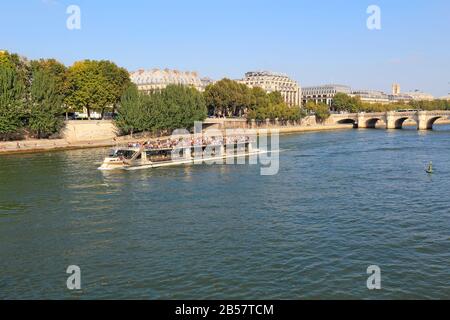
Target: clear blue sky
315	42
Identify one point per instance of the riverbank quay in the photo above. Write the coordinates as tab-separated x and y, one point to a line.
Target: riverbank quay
47	145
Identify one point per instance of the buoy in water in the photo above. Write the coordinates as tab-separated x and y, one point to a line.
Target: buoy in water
430	168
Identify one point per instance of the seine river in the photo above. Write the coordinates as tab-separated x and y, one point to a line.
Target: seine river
342	201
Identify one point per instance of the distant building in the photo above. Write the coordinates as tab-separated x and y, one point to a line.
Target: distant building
447	97
401	97
326	93
323	93
206	82
371	96
156	79
395	89
271	82
397	96
418	95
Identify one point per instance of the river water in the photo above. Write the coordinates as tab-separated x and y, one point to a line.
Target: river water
342	201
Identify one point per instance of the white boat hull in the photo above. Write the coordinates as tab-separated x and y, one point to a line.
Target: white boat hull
110	166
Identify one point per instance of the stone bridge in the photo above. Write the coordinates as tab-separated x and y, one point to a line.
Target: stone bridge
391	119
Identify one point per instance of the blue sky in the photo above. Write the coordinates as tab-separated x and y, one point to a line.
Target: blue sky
315	42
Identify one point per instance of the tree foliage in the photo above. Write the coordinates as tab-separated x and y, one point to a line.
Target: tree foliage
228	98
130	111
118	80
321	110
12	100
95	85
271	106
46	101
161	111
343	102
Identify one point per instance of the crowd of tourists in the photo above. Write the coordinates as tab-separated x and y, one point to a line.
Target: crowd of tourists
193	141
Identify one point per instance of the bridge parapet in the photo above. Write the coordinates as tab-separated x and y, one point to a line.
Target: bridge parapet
406	114
439	113
393	119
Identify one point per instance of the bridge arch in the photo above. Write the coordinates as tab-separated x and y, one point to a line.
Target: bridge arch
372	123
348	121
399	122
431	122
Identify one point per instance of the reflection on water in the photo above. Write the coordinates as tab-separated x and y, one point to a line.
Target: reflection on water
342	201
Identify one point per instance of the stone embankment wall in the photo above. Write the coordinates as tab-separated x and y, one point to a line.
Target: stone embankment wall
257	124
89	130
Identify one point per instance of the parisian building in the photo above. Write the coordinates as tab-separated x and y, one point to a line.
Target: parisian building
271	82
396	89
419	95
157	79
324	93
371	96
397	95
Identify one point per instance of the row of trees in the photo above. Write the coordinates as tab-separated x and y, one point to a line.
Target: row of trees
31	95
162	111
179	106
34	95
343	102
228	98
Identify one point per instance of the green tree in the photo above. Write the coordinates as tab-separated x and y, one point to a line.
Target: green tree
131	115
162	111
86	87
271	106
343	102
118	81
12	99
183	106
17	63
275	97
46	101
321	110
227	98
95	85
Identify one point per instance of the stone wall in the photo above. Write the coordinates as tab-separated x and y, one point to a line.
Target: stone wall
89	130
256	124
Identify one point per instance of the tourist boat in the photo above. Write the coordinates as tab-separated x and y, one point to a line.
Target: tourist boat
141	155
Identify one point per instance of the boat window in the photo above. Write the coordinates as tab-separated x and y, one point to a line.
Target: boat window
127	154
159	155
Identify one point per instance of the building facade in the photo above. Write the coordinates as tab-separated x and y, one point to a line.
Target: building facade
271	82
371	96
396	89
419	96
206	82
156	79
397	96
324	93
